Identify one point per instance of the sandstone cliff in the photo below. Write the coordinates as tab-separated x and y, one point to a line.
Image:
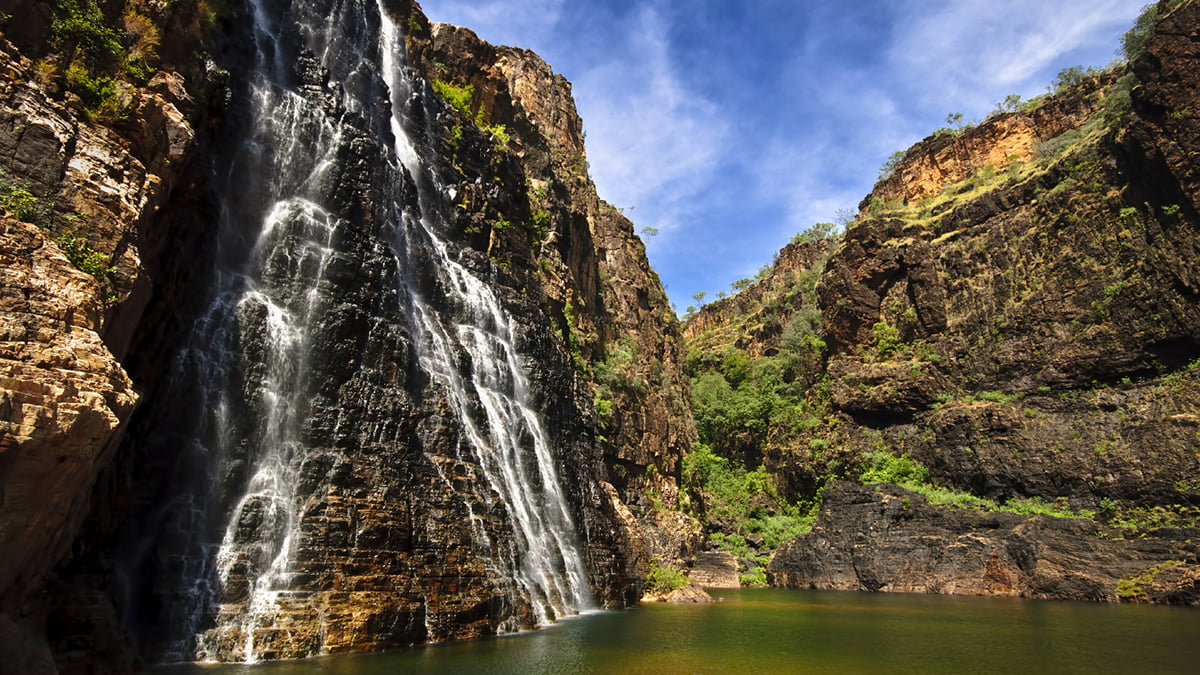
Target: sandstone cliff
79	192
1015	310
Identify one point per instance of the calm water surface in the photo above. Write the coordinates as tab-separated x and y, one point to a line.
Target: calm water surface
780	631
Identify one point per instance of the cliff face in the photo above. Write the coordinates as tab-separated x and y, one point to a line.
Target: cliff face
318	399
753	320
79	192
1014	311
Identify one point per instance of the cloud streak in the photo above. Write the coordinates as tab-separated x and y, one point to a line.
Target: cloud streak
653	144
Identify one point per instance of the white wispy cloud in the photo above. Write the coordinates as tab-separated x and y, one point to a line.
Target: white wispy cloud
965	51
652	143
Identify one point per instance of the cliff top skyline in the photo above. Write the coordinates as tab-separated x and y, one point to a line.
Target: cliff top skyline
728	127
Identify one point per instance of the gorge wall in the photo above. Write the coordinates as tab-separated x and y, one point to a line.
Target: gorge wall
264	332
1008	331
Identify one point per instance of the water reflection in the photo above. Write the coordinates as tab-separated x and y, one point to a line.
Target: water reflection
778	631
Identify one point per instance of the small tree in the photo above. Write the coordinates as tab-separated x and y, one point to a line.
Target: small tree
817	232
890	164
699	297
1011	103
1134	41
1069	77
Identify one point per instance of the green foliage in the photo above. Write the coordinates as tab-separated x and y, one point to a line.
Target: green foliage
999	396
1134	41
883	467
604	408
728	489
618	370
1149	518
143	38
97	91
886	339
663	579
649	231
84	257
1070	77
1035	506
18	200
462	99
1117	100
731	494
459	98
101	55
817	232
1134	586
539	211
81	23
890	164
757	576
1011	103
500	132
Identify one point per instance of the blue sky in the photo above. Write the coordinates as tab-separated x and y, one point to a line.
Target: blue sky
730	125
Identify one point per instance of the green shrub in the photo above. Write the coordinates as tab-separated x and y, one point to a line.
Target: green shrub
757	576
1070	77
663	579
817	232
604	408
84	257
459	98
886	339
19	201
999	396
883	467
80	22
1133	586
500	132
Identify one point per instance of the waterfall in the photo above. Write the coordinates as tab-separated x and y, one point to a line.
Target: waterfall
512	447
331	97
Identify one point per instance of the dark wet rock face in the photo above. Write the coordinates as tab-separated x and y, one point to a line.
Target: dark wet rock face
885	538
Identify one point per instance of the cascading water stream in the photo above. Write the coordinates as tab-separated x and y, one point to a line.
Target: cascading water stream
255	347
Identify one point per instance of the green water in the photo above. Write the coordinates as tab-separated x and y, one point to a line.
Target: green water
779	631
